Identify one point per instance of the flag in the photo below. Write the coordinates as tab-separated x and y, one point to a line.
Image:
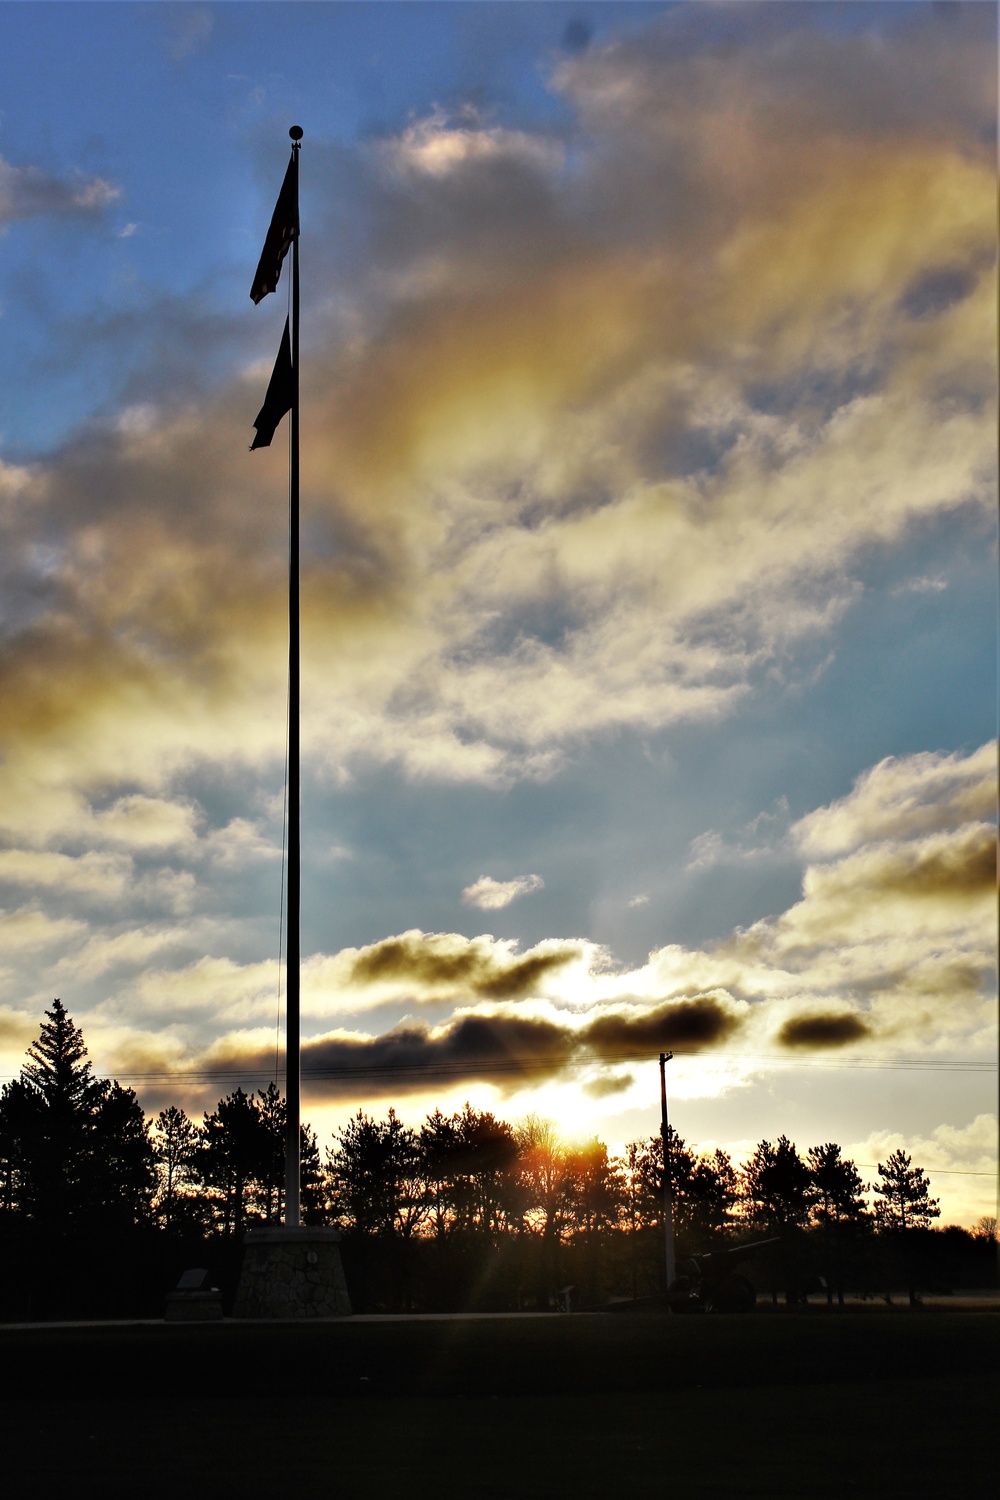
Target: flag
279	395
279	236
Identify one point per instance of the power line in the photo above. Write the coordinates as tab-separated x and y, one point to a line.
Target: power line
482	1067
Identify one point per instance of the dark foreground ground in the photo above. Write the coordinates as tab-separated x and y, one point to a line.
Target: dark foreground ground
867	1404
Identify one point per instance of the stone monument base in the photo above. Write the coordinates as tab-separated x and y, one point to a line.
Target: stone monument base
292	1272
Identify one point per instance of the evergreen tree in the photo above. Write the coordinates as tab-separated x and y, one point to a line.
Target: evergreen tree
269	1196
838	1209
175	1141
374	1176
122	1173
904	1200
777	1192
233	1157
60	1161
76	1148
713	1192
58	1065
777	1187
21	1110
904	1206
471	1164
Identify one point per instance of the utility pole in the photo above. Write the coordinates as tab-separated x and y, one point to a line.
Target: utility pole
668	1202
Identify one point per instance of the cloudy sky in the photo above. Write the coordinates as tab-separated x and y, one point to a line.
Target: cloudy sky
649	577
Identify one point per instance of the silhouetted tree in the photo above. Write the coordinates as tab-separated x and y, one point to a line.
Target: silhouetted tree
776	1196
986	1229
123	1174
838	1209
175	1143
234	1156
541	1201
269	1188
374	1176
60	1161
595	1191
903	1195
20	1128
903	1205
713	1191
470	1160
83	1154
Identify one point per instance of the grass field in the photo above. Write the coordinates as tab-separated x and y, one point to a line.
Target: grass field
874	1404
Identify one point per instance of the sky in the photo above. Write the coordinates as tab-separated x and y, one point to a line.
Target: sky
649	562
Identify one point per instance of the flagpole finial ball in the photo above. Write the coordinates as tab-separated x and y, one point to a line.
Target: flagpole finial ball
296	132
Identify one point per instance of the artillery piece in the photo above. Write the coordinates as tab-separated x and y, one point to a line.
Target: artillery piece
711	1283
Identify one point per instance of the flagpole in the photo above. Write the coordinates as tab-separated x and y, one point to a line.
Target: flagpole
293	944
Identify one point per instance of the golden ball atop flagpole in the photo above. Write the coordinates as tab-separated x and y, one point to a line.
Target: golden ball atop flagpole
296	132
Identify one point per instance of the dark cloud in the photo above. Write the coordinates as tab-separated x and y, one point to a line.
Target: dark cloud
614	1083
691	1024
521	977
30	193
508	1051
422	961
837	1030
962	867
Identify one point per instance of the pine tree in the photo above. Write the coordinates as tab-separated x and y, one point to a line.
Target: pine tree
59	1168
903	1205
122	1172
175	1139
904	1192
777	1192
20	1128
233	1157
838	1209
372	1170
59	1067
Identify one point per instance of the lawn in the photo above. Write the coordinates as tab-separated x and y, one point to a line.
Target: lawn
874	1404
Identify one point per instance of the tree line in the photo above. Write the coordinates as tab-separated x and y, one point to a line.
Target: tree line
466	1209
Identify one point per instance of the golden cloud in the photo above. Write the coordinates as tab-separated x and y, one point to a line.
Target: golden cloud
446	962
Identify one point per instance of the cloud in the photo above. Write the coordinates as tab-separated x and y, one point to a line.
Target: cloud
692	1024
17	1030
438	147
29	930
442	963
103	876
607	1085
490	895
902	797
820	1031
599	433
506	1050
512	425
29	193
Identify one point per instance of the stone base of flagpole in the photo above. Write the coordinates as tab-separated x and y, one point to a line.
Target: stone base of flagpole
292	1273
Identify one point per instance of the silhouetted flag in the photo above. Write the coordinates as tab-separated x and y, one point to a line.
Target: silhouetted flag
279	237
279	395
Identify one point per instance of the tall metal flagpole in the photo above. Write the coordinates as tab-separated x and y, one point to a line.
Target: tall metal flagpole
293	946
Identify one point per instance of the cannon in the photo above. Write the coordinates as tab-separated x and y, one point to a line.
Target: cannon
712	1282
